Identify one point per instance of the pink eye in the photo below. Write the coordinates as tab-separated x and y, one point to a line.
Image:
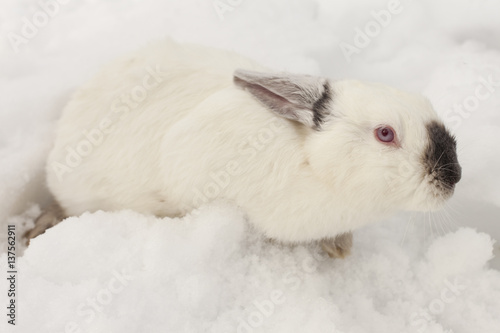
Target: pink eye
385	134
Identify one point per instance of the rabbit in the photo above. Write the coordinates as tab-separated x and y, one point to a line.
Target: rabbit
174	126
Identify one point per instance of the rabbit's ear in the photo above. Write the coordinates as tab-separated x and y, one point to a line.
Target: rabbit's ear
302	98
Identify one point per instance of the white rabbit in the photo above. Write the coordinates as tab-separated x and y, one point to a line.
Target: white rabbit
173	126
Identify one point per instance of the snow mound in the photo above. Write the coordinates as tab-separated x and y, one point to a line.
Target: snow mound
210	272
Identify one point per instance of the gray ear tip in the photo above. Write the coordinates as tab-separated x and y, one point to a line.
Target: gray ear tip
238	76
241	73
243	77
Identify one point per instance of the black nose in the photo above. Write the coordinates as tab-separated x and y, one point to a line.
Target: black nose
450	174
458	174
440	155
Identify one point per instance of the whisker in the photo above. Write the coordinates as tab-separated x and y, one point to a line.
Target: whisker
443	168
450	222
410	220
434	167
425	224
447	207
430	225
441	224
451	163
444	223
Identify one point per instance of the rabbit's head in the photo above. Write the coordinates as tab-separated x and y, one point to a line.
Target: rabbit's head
370	142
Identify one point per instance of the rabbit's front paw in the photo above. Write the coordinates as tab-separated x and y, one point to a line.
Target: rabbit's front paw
339	246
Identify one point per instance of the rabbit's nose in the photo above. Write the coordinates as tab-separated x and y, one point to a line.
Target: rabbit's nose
458	173
441	155
451	175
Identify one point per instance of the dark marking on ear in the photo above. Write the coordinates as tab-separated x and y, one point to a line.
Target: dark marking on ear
440	157
321	106
301	98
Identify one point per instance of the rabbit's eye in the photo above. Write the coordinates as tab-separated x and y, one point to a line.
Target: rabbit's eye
385	134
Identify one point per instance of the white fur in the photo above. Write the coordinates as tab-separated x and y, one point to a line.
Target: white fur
295	184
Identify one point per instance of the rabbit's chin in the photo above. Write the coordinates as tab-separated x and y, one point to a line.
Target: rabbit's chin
434	200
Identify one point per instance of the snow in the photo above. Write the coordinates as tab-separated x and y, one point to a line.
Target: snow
210	272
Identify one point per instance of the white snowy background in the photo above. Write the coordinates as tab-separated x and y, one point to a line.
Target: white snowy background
209	272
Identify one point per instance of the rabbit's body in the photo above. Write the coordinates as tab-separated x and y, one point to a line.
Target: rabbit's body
166	130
